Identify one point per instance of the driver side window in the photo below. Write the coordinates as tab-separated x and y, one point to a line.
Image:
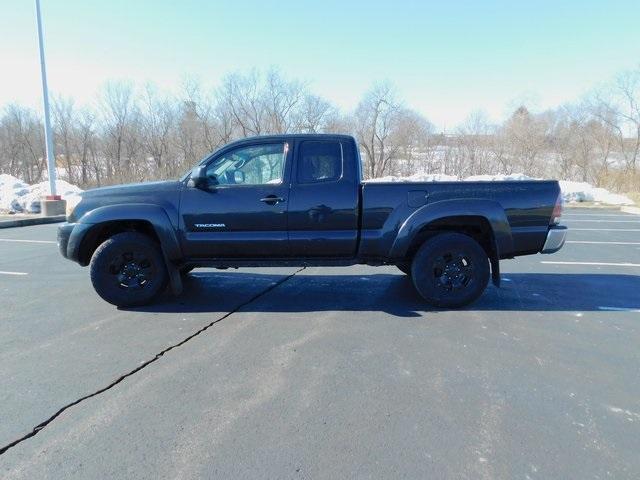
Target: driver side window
250	165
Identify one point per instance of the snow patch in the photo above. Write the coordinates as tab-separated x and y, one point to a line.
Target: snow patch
10	189
629	414
499	178
585	192
18	196
416	177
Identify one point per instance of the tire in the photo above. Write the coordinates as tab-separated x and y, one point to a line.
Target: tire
404	267
128	269
450	270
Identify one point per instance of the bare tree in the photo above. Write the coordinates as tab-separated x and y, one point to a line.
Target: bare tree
412	138
619	108
562	142
142	134
63	113
473	147
242	95
376	121
315	114
156	125
117	106
525	135
280	98
22	143
86	149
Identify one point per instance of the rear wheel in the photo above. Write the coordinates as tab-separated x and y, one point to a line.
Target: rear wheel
128	269
450	270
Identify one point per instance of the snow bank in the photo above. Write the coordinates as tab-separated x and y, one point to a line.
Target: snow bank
18	196
441	177
10	189
585	192
498	178
571	191
416	177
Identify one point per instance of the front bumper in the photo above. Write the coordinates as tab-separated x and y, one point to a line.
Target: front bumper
556	237
70	236
64	232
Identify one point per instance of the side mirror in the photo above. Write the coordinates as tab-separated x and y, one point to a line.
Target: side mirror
199	178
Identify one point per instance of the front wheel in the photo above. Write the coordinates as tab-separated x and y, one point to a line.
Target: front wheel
128	269
450	270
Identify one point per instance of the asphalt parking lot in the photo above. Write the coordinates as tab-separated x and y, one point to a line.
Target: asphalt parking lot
326	372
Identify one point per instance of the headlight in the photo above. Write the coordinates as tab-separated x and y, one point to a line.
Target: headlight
72	203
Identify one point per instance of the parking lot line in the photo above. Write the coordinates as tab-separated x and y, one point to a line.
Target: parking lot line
623	215
25	241
602	243
605	229
12	273
604	221
618	309
604	264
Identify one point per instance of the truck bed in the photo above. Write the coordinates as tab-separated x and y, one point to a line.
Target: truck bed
528	206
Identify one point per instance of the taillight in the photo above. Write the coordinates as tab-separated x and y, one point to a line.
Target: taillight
557	210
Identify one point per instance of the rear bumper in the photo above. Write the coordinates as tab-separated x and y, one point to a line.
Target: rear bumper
555	239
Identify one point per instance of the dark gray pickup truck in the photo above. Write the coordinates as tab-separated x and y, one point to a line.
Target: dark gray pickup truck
294	200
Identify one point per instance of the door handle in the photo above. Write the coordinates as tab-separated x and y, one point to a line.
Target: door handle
272	199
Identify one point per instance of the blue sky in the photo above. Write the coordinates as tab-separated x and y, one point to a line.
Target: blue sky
446	58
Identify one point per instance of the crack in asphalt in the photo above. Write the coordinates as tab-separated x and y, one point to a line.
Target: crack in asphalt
38	428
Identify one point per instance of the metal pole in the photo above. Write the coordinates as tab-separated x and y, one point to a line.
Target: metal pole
48	135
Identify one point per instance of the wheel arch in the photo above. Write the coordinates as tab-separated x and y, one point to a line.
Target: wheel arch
483	220
107	221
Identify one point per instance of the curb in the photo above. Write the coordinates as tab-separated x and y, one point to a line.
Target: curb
591	205
25	222
635	210
601	206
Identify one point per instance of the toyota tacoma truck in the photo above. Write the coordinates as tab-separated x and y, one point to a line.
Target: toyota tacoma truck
299	200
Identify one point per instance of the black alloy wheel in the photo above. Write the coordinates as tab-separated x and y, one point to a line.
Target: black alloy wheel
450	270
128	269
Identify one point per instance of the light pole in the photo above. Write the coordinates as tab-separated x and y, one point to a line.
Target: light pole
51	154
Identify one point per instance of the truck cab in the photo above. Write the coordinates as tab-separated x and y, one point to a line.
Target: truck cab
277	197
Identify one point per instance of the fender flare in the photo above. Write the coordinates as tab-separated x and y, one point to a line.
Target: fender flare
490	210
153	214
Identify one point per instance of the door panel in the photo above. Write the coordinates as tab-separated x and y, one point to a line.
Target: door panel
323	204
239	220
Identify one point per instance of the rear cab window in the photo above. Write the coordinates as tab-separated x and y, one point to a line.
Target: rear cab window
320	161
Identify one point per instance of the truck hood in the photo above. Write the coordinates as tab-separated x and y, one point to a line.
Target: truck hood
165	194
132	189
